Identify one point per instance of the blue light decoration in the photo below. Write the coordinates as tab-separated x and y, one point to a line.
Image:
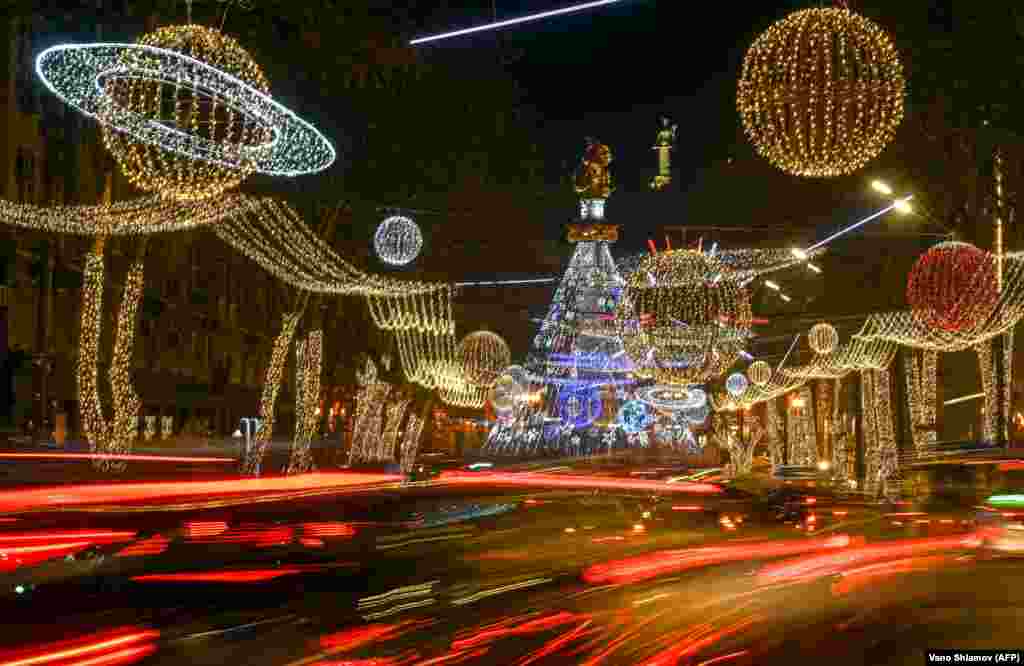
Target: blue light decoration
579	408
736	384
634	416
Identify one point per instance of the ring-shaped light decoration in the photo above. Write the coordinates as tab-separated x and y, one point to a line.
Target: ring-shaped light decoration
634	416
759	373
823	338
673	398
398	240
736	384
273	140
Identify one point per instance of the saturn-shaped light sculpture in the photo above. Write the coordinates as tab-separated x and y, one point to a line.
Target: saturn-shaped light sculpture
185	111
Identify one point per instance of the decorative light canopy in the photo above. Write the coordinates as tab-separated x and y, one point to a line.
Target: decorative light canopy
673	398
953	287
759	373
398	240
821	92
823	338
736	384
185	111
483	356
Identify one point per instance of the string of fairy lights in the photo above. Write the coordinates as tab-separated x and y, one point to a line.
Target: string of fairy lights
308	362
392	426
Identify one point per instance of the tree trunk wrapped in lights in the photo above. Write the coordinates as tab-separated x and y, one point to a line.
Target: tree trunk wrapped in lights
411	440
367	425
774	434
272	386
389	440
881	455
986	363
308	359
742	444
118	435
840	435
921	376
800	430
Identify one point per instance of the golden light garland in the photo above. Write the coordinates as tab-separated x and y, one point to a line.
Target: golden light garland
822	338
821	92
272	386
196	114
483	356
308	362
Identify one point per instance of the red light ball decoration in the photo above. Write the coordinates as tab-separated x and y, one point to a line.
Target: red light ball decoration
953	287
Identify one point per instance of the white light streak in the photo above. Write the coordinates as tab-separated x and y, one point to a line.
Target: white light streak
964	398
857	225
508	22
771	285
816	269
504	283
785	298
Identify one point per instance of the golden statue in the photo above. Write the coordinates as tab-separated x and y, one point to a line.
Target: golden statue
593	180
664	144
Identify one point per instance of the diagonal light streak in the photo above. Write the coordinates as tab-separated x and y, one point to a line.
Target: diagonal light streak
857	225
515	21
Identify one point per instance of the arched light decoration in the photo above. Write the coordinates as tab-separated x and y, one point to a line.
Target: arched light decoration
759	373
398	240
952	287
673	398
185	111
634	416
736	384
823	338
483	355
821	92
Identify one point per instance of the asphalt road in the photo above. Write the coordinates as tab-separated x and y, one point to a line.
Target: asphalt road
433	575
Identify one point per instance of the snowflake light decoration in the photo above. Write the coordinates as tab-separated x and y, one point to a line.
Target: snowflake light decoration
736	384
634	416
185	111
398	240
673	398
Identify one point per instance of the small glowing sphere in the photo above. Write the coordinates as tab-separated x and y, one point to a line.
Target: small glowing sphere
821	92
483	356
398	240
759	373
736	384
634	416
823	338
505	393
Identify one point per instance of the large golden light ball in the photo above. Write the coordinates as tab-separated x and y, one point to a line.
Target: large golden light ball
759	373
484	357
821	92
196	114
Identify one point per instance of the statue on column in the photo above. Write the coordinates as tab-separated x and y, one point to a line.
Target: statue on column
593	178
664	144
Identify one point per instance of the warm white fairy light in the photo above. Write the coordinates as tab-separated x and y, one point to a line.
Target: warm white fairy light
411	439
126	86
150	427
986	365
822	338
921	375
272	387
484	356
881	455
759	373
308	361
801	431
388	441
94	424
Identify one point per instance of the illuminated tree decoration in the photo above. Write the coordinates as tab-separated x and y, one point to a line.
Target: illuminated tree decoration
185	111
952	287
821	92
483	355
736	384
823	338
308	355
634	416
579	408
759	373
398	240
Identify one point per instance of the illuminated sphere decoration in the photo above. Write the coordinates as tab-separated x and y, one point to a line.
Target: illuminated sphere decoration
759	373
579	408
953	287
505	393
398	240
823	338
185	111
821	92
484	357
634	416
736	384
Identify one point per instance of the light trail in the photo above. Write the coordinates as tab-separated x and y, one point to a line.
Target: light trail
10	455
857	225
507	283
964	398
515	21
235	490
528	479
